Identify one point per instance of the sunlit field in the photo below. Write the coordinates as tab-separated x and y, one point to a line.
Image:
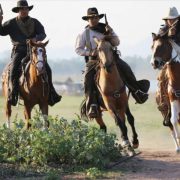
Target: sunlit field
152	134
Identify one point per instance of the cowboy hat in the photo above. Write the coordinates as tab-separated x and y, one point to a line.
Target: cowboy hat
92	12
172	14
21	4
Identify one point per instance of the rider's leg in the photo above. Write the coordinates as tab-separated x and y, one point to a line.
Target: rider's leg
14	75
54	97
139	89
90	90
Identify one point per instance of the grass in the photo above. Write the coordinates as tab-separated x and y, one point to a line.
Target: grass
152	134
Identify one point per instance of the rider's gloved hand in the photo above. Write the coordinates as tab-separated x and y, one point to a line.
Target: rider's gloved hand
108	29
93	52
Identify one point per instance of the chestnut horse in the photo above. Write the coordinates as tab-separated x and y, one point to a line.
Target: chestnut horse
166	56
33	86
113	92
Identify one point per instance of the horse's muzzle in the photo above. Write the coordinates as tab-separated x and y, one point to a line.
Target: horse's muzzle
158	64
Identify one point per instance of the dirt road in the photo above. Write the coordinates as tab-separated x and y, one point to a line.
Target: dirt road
151	165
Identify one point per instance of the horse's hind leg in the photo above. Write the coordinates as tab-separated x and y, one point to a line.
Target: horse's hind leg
130	119
101	124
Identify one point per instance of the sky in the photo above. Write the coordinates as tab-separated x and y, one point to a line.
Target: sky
132	20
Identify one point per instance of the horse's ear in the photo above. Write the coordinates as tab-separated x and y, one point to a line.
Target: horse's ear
154	36
30	42
96	40
45	44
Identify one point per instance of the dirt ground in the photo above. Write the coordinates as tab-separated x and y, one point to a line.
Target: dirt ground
151	165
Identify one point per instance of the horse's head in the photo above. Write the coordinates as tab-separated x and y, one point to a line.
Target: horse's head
38	55
162	51
105	53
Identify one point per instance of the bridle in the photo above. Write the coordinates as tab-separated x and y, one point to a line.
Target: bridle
35	63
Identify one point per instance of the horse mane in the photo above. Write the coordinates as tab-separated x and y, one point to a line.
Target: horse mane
38	43
159	36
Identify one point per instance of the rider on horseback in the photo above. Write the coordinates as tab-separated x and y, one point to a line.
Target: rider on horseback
85	46
20	29
170	29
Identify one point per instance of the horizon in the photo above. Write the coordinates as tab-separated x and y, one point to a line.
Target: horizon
132	20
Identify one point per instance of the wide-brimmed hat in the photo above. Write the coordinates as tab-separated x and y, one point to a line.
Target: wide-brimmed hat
21	4
172	14
92	12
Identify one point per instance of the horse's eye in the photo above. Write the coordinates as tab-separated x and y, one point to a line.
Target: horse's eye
40	50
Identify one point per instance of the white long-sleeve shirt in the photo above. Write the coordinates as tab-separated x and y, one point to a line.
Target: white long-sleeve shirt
81	42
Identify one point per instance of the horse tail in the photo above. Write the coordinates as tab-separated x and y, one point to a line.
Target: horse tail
83	111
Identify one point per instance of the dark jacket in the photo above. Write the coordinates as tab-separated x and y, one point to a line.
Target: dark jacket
17	36
177	34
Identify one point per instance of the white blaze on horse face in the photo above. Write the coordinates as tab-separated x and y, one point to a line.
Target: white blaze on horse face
156	44
40	60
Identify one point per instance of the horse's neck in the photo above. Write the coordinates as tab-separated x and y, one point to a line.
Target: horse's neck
111	80
34	78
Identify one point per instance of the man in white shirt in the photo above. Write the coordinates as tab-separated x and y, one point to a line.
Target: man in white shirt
86	46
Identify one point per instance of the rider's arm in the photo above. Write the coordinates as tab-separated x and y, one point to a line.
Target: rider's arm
80	45
4	28
40	34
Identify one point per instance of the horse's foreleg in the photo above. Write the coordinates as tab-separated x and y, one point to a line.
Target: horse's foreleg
101	124
44	110
120	121
8	114
175	122
130	119
27	114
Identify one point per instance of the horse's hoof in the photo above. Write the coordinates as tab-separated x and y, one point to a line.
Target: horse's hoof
125	143
178	151
131	153
135	146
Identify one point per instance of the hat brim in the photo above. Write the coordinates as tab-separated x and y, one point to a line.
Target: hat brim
170	17
16	9
94	15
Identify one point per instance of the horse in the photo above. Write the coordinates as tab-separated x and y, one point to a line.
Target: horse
33	84
166	56
113	92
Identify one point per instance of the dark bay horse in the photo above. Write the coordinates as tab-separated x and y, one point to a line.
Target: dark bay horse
166	56
113	92
33	88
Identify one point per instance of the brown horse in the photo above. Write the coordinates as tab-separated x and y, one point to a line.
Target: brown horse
113	92
33	88
166	56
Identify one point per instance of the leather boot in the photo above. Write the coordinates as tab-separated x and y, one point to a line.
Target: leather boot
54	97
140	96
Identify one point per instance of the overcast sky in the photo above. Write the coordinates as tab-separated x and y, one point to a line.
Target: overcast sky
132	20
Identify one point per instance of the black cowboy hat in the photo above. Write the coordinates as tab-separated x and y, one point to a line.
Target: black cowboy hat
21	4
92	12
